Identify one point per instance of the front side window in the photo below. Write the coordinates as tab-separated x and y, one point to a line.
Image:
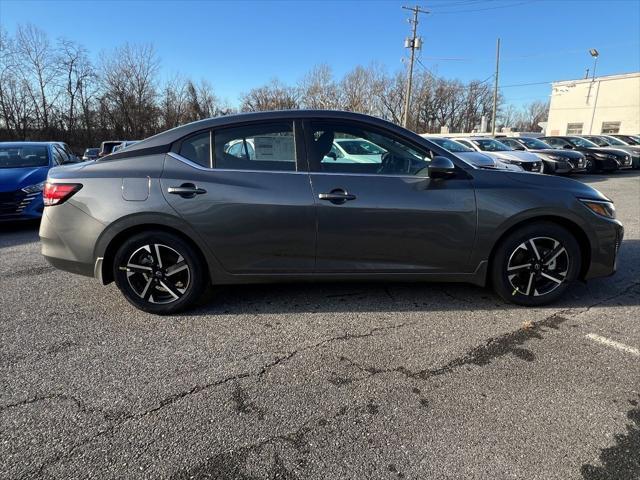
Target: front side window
574	129
610	127
197	148
265	146
364	151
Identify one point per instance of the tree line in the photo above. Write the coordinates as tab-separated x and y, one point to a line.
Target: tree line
54	90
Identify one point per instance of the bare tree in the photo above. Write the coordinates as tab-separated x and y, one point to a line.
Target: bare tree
129	82
531	115
318	90
39	70
273	96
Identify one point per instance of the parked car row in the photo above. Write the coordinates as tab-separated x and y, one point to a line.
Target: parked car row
23	171
550	155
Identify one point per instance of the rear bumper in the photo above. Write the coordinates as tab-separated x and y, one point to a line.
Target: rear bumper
67	238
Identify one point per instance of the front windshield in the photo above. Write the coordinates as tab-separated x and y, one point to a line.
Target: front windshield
360	147
535	144
582	142
24	156
489	145
451	145
615	141
601	142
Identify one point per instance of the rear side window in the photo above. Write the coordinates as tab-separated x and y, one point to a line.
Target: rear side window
265	146
197	148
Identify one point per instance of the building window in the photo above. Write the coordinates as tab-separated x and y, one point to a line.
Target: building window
574	129
610	127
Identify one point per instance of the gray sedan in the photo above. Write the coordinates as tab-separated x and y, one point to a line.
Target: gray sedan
180	211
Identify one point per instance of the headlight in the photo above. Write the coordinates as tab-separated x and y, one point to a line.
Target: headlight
600	207
34	188
555	157
606	156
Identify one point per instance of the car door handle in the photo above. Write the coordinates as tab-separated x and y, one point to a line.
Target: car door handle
337	196
186	190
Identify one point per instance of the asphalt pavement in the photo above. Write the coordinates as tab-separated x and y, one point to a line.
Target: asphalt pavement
320	381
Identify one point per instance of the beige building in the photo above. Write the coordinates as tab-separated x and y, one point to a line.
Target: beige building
608	104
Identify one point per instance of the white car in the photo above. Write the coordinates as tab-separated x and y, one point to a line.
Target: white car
473	157
528	161
354	150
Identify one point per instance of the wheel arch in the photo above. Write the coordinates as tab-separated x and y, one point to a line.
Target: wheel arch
578	232
112	238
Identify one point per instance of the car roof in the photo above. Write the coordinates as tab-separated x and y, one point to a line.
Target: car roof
171	136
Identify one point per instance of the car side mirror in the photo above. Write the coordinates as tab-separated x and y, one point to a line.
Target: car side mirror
441	167
519	147
332	155
568	147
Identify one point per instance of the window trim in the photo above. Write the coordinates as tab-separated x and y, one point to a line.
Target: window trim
299	161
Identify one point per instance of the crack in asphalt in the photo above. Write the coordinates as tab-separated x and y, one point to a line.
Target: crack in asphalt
480	355
51	396
197	389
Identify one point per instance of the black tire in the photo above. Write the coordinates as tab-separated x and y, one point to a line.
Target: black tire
591	165
173	284
546	279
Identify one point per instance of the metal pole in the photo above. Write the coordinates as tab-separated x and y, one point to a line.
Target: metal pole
595	62
413	45
495	91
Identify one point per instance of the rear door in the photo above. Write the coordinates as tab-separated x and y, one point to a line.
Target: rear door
381	212
242	189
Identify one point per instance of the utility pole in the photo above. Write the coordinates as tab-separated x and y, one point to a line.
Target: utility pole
414	43
495	91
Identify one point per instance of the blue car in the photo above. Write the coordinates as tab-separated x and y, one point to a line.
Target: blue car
23	172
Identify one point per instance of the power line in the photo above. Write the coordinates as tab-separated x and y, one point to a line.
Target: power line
448	12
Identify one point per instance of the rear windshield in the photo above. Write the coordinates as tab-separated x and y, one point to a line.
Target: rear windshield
107	147
27	156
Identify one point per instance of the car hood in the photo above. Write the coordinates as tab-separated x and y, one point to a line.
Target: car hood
476	158
550	182
524	156
609	150
626	148
570	154
12	179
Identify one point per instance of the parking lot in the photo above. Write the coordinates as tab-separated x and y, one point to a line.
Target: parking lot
321	381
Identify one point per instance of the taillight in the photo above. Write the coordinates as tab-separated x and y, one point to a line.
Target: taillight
57	193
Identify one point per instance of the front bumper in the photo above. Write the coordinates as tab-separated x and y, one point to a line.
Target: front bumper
531	166
605	245
566	166
18	205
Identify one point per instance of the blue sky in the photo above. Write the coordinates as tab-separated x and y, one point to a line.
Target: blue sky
242	44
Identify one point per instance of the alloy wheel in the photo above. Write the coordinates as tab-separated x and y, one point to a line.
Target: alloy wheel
157	273
537	266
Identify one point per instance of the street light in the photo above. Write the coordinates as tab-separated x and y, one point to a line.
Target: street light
594	53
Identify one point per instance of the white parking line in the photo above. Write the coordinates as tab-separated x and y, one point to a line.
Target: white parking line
611	343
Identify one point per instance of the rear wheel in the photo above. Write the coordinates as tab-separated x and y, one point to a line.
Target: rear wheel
535	264
159	272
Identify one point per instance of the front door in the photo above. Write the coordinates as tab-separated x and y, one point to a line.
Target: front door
246	197
379	211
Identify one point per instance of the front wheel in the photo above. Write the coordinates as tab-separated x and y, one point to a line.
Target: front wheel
159	272
535	264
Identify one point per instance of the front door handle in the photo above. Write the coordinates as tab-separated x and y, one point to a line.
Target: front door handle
186	190
337	196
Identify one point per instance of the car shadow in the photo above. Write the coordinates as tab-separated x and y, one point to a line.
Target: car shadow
18	232
622	289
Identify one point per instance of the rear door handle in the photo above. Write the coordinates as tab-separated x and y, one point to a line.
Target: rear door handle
337	196
186	190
